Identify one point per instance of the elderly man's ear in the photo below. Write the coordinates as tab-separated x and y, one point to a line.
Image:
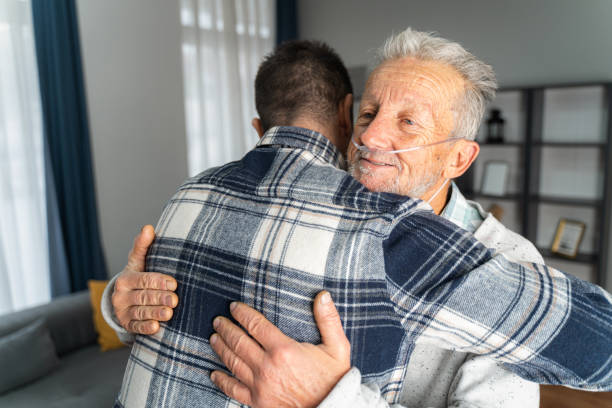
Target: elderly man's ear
461	158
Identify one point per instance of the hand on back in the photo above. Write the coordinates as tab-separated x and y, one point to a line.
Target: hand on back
143	299
273	370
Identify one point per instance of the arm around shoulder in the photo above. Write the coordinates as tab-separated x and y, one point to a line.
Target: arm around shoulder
546	326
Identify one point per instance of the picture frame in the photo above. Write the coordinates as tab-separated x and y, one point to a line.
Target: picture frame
494	178
568	237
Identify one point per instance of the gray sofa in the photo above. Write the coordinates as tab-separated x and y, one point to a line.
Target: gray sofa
84	376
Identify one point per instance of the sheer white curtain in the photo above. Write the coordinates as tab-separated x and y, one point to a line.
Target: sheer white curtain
24	270
224	42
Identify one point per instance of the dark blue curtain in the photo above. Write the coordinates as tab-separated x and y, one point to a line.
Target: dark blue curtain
286	21
66	131
58	261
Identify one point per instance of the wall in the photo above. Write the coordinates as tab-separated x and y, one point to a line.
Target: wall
132	62
527	42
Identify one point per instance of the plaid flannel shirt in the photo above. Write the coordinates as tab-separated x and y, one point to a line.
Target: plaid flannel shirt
284	223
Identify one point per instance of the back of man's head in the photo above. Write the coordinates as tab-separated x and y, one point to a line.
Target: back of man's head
300	79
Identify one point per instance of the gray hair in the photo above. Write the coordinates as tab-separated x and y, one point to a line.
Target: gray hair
480	78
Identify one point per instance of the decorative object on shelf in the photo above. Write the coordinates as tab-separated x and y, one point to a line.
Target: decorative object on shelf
494	178
497	211
568	237
495	127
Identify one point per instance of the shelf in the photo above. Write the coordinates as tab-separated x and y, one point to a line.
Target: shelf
551	132
582	202
591	145
580	258
473	194
507	144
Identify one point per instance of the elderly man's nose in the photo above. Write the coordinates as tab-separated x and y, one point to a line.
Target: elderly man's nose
376	136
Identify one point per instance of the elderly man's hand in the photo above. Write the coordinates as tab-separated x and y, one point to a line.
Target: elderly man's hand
274	370
142	299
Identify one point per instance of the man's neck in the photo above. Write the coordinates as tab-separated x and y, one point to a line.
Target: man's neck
325	129
440	201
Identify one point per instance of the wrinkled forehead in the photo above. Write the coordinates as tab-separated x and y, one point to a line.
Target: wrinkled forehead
410	81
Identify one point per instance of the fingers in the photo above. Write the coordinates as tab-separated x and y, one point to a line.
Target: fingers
232	387
143	319
233	362
260	328
238	342
130	280
159	313
328	321
140	310
143	327
142	242
151	298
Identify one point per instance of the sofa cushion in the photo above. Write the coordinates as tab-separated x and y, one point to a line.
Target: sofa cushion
85	378
69	319
26	355
107	338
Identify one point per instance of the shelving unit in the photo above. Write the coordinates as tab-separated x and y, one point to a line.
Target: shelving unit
559	149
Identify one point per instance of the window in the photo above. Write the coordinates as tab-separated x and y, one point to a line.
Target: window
223	45
24	270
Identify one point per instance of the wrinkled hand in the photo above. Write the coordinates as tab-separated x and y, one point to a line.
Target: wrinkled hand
142	299
275	370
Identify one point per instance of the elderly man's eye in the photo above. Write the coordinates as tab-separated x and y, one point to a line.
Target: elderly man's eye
408	121
365	117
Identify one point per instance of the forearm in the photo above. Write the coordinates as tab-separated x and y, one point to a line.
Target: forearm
109	314
481	382
478	383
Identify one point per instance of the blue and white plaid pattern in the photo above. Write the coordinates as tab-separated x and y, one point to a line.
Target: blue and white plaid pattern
283	223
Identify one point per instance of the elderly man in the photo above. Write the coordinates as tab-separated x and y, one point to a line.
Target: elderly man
410	139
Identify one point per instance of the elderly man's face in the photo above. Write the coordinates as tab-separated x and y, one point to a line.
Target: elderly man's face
406	103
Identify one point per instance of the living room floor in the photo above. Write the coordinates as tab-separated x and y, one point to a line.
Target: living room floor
561	397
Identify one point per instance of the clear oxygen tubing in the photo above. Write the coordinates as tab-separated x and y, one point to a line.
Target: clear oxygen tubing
366	149
437	192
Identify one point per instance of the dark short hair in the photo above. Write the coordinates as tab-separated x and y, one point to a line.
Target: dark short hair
300	78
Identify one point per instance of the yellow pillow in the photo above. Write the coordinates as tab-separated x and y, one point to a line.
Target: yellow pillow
107	338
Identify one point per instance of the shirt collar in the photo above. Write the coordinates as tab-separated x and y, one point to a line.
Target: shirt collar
301	138
461	212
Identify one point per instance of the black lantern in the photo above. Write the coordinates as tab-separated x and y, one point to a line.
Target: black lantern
495	127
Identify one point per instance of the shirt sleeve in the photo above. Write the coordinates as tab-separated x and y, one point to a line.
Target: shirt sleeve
452	292
349	392
108	313
482	382
479	382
